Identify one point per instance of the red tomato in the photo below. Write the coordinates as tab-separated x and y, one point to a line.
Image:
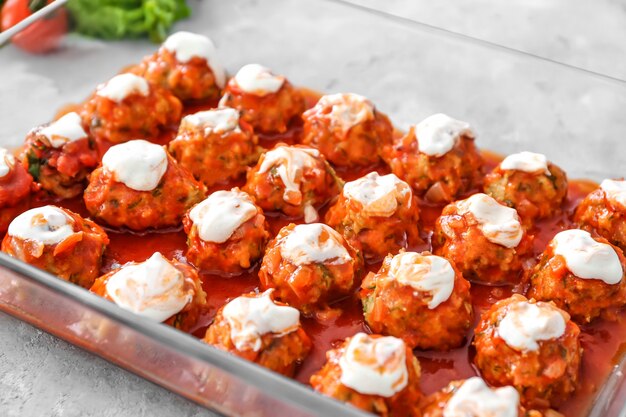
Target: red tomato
43	35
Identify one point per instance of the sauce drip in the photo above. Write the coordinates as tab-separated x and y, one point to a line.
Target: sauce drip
603	342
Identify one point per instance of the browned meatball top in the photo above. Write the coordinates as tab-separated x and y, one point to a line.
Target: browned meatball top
603	211
533	346
267	101
128	107
309	266
485	239
295	180
582	274
374	373
438	158
187	65
420	298
529	183
347	129
257	328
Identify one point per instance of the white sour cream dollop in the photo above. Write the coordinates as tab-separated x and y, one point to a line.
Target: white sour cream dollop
527	162
587	258
374	366
215	121
223	212
67	129
475	399
7	162
290	162
346	110
425	273
122	86
138	164
47	225
439	133
615	191
525	324
379	195
186	46
258	80
153	288
302	246
500	224
250	318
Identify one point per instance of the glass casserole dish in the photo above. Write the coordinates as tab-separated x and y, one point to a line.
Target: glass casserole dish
516	102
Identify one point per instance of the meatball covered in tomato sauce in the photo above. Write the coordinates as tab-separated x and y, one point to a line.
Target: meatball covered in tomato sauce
420	298
374	373
603	211
261	330
485	239
347	129
186	65
60	156
529	183
266	101
226	233
438	158
294	180
215	145
378	214
58	241
310	266
582	274
16	185
160	289
473	397
129	107
532	346
140	186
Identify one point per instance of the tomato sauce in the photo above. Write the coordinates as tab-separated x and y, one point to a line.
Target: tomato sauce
603	342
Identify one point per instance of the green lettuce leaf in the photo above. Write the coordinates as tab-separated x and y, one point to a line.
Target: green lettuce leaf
117	19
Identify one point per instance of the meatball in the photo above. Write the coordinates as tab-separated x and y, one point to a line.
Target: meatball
438	158
128	107
420	298
604	212
533	346
58	241
215	146
266	101
261	330
187	66
60	156
374	373
484	239
347	129
529	183
140	186
294	180
310	266
226	233
473	397
582	275
162	290
378	214
16	185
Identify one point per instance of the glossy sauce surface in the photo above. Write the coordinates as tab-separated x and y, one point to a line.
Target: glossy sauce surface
603	342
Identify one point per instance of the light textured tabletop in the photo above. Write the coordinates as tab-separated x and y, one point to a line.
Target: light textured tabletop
581	33
43	376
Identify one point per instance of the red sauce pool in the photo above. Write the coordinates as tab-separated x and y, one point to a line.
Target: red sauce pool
603	342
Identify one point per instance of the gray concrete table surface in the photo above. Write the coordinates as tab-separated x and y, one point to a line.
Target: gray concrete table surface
43	376
585	34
